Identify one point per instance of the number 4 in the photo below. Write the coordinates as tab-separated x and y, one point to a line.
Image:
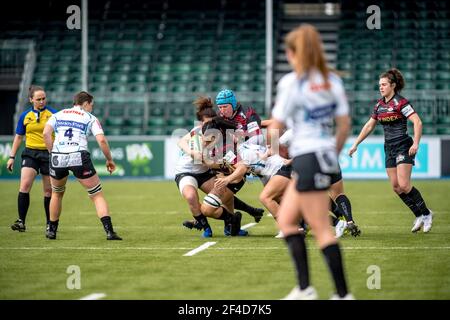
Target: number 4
68	133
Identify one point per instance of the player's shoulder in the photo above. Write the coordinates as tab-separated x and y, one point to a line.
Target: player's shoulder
25	112
51	109
334	78
287	80
399	100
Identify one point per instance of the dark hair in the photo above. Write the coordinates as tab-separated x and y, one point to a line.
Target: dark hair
394	76
33	89
205	108
82	97
218	123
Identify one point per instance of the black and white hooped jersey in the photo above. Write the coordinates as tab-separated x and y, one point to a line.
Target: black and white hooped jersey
308	107
72	127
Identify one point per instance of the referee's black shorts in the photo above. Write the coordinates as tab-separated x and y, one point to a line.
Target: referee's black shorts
36	159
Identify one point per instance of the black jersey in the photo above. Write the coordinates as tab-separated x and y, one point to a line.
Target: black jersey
393	116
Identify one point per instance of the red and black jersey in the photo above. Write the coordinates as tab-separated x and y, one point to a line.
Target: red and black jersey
393	115
247	119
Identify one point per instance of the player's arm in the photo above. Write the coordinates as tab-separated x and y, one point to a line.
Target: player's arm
237	175
265	123
183	144
273	134
104	146
415	119
15	146
342	131
48	137
365	131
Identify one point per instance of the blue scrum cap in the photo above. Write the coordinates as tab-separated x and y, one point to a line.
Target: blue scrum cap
226	96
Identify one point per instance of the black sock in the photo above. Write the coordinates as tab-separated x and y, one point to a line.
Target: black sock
23	203
47	208
335	209
107	224
202	220
333	258
410	203
344	204
53	225
225	216
241	205
334	221
297	248
416	197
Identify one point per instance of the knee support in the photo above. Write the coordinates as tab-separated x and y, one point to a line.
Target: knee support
212	200
59	189
93	191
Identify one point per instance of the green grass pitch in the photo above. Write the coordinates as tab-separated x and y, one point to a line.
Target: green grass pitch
149	262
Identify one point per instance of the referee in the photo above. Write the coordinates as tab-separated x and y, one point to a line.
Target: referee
35	157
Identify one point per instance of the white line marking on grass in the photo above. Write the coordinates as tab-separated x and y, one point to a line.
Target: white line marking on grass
94	296
248	225
205	245
201	248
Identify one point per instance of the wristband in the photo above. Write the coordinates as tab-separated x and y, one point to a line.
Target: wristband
12	157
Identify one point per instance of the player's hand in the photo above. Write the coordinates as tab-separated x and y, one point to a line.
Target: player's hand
413	149
10	165
110	166
221	183
352	150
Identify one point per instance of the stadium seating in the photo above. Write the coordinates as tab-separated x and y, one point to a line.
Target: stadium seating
420	32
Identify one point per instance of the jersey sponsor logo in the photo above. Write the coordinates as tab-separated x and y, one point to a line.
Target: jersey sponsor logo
71	124
318	87
388	118
320	112
74	111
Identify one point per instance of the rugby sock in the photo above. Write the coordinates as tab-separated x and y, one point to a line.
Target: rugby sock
335	209
53	225
47	208
297	248
241	205
202	220
343	202
333	258
23	202
225	216
416	197
406	198
107	224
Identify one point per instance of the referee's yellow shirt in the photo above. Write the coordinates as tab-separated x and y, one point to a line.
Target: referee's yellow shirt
31	125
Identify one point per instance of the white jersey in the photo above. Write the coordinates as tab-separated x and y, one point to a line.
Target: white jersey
185	162
72	127
252	155
309	109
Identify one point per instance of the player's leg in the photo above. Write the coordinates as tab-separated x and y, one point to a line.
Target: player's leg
58	185
47	189
343	205
188	187
256	213
27	176
93	187
423	214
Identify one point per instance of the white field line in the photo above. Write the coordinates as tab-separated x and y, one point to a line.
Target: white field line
209	244
94	296
248	225
204	246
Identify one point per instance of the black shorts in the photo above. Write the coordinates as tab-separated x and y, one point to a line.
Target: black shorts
316	171
83	171
36	159
397	153
235	187
285	171
201	178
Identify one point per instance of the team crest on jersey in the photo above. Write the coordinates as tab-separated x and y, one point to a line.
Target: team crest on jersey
400	158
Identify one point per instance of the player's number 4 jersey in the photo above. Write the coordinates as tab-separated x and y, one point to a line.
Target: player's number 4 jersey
72	128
